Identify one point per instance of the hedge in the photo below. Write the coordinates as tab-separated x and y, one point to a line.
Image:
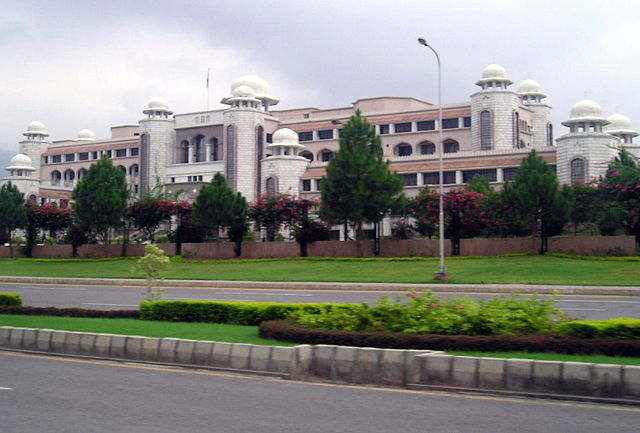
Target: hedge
238	313
69	312
621	327
10	299
287	330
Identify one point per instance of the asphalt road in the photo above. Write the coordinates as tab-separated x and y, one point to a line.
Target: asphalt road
56	394
118	297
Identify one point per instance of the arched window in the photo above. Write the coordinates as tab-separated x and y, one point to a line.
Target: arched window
578	172
200	149
32	198
134	171
516	129
259	156
55	177
427	148
216	150
485	131
123	169
450	146
69	177
231	156
82	173
272	186
403	149
325	155
307	154
550	134
183	152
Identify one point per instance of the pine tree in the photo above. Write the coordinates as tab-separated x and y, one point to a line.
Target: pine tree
100	199
358	186
536	198
216	206
13	211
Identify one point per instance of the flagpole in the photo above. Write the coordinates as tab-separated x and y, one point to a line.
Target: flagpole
208	70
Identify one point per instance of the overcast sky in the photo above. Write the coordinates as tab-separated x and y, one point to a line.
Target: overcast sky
93	64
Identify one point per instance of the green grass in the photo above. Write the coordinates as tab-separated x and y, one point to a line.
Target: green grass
596	359
499	270
146	328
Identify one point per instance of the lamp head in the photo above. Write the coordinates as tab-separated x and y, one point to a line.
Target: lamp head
421	41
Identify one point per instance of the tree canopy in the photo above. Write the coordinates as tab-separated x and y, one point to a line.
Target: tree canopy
12	209
216	206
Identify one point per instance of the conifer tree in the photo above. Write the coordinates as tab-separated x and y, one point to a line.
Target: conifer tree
358	186
12	210
216	206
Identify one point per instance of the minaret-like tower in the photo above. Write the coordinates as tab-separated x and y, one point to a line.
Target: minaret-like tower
244	134
494	112
585	151
22	175
541	126
620	126
35	144
157	141
283	169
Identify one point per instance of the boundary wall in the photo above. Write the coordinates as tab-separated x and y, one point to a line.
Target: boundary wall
582	245
412	369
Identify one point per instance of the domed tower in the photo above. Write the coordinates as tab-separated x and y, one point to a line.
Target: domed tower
157	140
244	134
35	144
541	125
283	169
22	175
86	135
620	126
494	111
585	151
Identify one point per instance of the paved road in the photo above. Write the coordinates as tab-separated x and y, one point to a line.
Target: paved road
119	297
55	394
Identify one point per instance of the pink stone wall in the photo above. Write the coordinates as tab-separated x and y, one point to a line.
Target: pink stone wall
498	246
594	245
341	249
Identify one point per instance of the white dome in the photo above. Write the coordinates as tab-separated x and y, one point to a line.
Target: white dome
158	104
529	86
36	128
586	109
21	162
86	134
494	71
285	136
244	91
259	85
619	122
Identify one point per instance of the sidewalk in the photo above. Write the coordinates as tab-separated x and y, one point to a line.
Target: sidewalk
382	287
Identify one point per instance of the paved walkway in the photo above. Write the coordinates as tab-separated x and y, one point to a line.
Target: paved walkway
462	288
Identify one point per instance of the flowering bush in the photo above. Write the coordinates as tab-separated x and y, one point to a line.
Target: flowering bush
276	210
147	215
50	217
426	313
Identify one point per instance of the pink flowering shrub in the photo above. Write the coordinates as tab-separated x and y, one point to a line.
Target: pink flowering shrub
277	210
146	215
50	217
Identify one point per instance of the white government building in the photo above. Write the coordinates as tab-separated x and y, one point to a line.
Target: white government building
262	150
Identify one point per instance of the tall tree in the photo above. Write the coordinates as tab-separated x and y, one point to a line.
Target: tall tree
100	199
12	210
536	198
358	186
215	206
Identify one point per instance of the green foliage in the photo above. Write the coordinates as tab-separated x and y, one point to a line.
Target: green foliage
13	210
100	199
358	186
480	184
239	313
622	327
10	299
216	206
153	265
426	313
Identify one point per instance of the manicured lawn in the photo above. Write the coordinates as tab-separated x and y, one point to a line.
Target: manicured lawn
597	359
146	328
505	270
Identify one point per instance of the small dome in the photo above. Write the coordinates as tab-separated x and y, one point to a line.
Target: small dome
86	134
259	85
285	136
619	122
244	92
586	109
529	86
21	162
158	104
494	71
36	128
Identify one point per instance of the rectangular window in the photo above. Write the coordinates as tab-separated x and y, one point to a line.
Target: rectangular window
489	174
56	158
448	178
94	155
426	125
402	127
509	173
305	136
467	122
121	153
269	138
409	179
318	184
83	156
135	151
450	123
45	160
199	178
107	153
173	180
384	129
325	134
69	157
306	184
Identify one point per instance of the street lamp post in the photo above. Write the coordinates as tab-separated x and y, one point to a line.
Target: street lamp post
442	274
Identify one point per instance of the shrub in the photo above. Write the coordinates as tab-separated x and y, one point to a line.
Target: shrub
10	299
622	327
239	313
69	312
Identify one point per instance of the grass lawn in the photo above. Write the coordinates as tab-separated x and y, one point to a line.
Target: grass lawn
145	328
505	270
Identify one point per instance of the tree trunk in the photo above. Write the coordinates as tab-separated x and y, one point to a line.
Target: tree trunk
237	249
376	240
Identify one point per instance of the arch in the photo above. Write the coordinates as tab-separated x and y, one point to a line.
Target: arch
325	155
32	198
134	171
486	131
82	173
516	129
123	169
578	168
271	185
549	134
56	177
307	154
69	177
427	148
403	149
200	148
231	155
259	156
450	146
183	152
216	149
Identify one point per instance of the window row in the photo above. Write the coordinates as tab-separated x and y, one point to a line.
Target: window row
90	156
199	149
69	177
425	148
424	125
